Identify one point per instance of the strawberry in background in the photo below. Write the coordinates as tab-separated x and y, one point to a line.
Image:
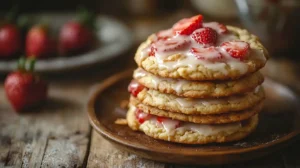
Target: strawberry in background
38	43
10	40
25	89
77	36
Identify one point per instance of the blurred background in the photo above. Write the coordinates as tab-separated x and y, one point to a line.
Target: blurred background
276	22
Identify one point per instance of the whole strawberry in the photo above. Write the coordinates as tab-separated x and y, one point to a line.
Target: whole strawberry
77	36
39	44
23	88
10	40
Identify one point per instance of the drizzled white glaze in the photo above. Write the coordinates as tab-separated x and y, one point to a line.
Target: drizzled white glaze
207	130
223	65
184	102
171	126
139	73
178	85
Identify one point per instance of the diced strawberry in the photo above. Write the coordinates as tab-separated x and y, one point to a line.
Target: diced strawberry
141	116
188	25
206	36
220	28
135	88
160	119
209	54
153	50
236	49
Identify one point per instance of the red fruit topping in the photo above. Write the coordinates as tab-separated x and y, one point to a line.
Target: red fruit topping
236	49
160	119
134	88
153	49
141	116
188	25
220	28
209	54
206	36
10	40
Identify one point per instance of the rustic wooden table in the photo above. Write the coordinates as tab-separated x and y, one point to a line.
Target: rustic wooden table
59	134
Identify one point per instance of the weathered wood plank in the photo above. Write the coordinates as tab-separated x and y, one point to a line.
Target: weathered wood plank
57	135
105	155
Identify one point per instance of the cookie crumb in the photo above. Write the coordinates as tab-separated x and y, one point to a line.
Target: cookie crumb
121	121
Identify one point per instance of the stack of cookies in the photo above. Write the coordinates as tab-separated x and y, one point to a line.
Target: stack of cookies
197	83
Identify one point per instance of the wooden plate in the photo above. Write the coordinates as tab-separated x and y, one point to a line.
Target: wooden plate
113	36
279	124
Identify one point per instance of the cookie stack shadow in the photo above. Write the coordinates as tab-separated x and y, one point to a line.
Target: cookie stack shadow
195	112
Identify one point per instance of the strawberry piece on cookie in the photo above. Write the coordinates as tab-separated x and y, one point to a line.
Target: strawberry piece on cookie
236	49
206	36
135	88
188	25
141	116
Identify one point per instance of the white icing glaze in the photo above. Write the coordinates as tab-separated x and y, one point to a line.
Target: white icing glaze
178	85
163	52
204	129
139	73
184	102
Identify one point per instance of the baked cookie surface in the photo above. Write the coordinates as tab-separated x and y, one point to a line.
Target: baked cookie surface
203	106
201	119
189	133
182	64
198	89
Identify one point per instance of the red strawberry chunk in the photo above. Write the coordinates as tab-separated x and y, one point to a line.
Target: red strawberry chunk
220	28
236	49
153	49
188	25
141	116
209	54
160	119
135	88
206	36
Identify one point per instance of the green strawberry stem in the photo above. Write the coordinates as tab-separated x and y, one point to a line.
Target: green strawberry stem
31	64
86	18
26	65
21	63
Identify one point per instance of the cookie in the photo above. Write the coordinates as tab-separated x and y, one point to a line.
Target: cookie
174	58
198	89
201	119
203	106
190	133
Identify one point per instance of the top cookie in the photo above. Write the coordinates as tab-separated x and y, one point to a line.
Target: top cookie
194	50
